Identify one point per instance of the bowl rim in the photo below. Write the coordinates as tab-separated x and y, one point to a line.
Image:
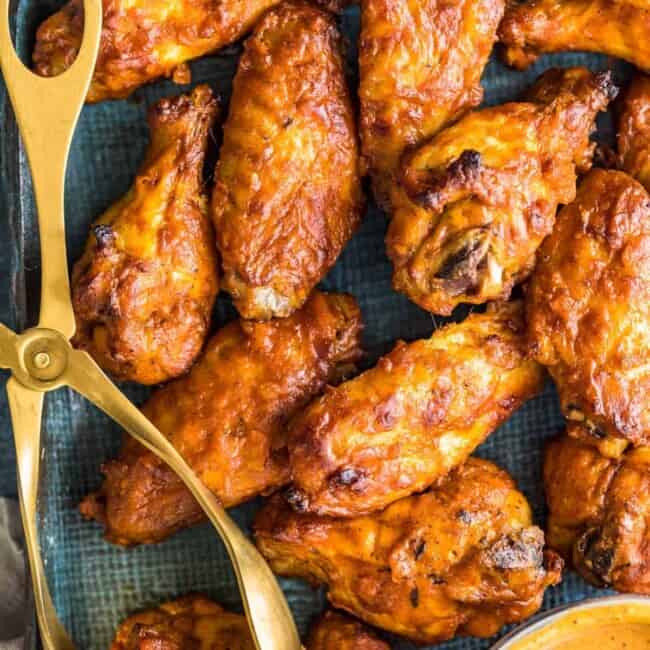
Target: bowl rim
543	619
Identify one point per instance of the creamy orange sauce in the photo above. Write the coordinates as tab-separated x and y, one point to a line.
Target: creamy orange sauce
607	627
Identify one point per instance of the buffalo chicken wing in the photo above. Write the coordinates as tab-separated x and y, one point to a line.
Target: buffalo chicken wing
144	288
483	193
404	424
588	307
618	28
463	558
420	64
599	510
288	193
227	418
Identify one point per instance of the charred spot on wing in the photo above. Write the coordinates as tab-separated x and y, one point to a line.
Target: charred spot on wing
346	477
104	235
462	172
605	81
522	550
297	499
414	596
597	556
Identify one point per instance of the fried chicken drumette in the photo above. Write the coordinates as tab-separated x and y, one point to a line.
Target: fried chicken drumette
227	418
336	631
195	622
619	28
463	558
420	67
588	306
599	510
144	289
143	40
634	131
484	192
189	623
402	425
288	194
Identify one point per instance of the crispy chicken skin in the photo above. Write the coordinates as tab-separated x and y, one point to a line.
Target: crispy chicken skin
144	289
404	424
616	27
288	193
588	306
227	418
189	623
336	631
194	622
484	192
463	558
420	67
634	131
599	510
143	39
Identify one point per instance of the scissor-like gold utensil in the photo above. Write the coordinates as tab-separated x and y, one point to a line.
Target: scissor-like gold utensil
41	359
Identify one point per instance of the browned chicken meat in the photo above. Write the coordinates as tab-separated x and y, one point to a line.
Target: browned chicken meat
634	131
599	510
335	631
420	66
619	28
404	424
463	558
227	418
194	622
144	39
588	306
189	623
483	193
288	193
144	288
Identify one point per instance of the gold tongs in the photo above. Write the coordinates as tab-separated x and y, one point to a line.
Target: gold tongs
41	359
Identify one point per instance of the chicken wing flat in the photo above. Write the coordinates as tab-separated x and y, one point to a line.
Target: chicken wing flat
484	192
420	67
227	418
189	623
588	306
634	131
599	510
335	631
616	27
143	40
404	424
144	289
288	192
462	558
195	622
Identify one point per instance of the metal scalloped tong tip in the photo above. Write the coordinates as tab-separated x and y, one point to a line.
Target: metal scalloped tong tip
41	359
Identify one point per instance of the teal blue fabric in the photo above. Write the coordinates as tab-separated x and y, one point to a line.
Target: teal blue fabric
94	584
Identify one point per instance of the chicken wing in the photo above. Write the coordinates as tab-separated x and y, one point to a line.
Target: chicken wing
484	192
194	622
404	424
588	306
335	631
143	40
288	193
227	418
189	623
619	28
462	558
634	131
420	67
144	289
599	510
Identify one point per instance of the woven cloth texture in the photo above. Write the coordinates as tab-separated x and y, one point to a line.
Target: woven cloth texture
95	585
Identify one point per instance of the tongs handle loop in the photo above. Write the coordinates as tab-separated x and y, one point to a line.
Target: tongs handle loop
47	110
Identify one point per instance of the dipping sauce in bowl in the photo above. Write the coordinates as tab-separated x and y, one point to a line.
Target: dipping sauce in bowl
610	623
